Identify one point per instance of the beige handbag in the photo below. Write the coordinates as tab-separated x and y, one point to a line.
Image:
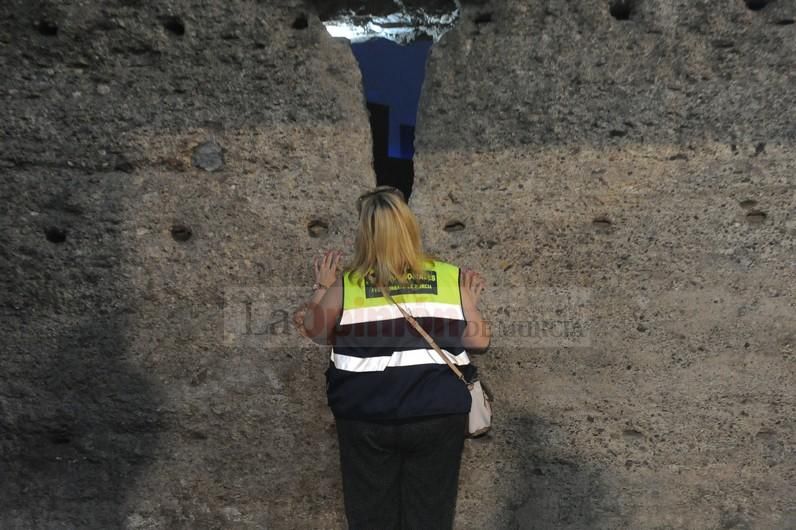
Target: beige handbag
479	421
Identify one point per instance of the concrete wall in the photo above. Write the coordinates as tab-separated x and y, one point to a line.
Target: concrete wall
135	395
123	402
622	164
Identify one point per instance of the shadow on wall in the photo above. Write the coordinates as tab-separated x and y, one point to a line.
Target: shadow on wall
79	423
553	489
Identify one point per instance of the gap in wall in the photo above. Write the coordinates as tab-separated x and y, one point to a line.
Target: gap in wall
391	42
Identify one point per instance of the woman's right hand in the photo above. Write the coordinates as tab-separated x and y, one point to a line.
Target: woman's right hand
474	283
477	334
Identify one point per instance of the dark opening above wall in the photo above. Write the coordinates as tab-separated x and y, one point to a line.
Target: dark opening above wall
391	41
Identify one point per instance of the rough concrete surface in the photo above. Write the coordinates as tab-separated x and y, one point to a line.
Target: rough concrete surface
169	169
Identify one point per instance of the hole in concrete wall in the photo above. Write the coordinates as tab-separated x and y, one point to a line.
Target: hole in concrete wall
174	25
748	203
454	226
632	434
181	233
622	9
784	22
47	27
55	234
756	5
483	18
602	223
723	43
756	216
124	165
486	243
61	436
317	228
391	42
301	22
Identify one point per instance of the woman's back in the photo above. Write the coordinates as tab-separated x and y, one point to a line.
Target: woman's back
380	367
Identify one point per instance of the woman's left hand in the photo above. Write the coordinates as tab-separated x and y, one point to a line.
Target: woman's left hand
326	267
298	320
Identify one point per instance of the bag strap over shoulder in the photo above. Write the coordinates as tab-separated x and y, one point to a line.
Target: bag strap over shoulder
425	335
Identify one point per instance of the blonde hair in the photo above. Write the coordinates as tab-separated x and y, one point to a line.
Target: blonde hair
388	243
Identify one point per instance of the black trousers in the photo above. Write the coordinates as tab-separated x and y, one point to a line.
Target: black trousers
401	475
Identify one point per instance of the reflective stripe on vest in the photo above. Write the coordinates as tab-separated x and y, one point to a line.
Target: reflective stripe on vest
399	358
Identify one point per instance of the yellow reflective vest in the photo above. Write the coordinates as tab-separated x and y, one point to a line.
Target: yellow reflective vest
380	367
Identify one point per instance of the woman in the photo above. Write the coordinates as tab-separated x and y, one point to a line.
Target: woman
399	409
